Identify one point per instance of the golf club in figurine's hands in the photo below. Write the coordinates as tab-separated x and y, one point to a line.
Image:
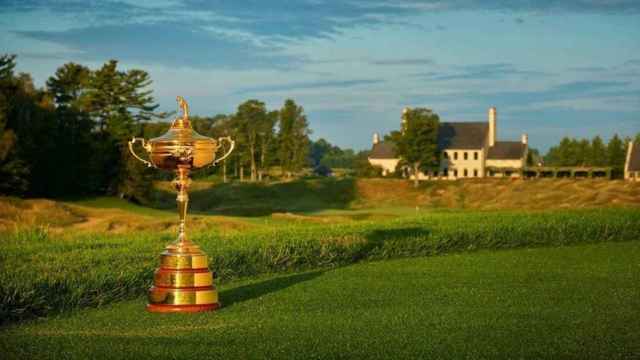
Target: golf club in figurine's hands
183	283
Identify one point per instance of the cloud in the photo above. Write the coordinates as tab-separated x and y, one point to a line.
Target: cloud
589	69
480	72
632	62
310	85
566	91
166	44
407	61
283	19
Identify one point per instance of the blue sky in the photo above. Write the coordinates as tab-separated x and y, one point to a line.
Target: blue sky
551	67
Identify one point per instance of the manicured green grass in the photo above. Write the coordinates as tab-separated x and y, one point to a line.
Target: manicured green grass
578	302
41	274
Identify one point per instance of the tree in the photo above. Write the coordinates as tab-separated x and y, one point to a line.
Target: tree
616	154
73	135
533	157
251	119
318	150
363	167
13	171
118	101
598	152
266	136
25	129
583	152
417	142
293	138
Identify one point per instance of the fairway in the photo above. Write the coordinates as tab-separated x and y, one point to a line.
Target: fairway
564	302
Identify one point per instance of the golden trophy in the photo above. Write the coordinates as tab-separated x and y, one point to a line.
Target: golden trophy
183	283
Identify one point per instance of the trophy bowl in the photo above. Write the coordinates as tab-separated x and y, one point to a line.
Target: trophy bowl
183	282
181	146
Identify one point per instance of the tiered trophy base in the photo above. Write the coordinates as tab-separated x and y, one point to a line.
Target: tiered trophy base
183	283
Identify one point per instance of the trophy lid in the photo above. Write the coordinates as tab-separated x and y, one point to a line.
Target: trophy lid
181	131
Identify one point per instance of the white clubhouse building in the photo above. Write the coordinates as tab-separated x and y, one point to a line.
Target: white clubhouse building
468	150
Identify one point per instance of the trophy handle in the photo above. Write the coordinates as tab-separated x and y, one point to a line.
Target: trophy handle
233	145
144	145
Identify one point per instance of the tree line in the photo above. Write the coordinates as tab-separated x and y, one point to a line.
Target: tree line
590	152
69	138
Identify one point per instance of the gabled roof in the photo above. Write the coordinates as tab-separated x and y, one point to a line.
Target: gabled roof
506	150
383	150
451	135
634	160
462	135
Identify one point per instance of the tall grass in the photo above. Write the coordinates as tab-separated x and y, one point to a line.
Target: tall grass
42	274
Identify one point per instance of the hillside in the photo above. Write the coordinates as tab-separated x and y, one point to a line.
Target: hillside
231	207
485	194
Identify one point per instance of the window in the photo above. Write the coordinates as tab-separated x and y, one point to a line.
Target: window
446	172
445	155
475	155
455	155
466	156
466	173
455	173
475	172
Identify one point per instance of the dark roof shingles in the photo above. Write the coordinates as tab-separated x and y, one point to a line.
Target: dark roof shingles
462	135
634	160
451	135
506	150
383	150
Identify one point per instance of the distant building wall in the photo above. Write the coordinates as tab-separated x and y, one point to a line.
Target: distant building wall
508	165
388	165
457	165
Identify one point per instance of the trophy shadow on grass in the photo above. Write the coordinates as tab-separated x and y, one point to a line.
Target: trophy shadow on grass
375	243
377	239
256	290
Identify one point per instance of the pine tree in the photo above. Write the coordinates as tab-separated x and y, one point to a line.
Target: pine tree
583	153
73	136
616	155
118	101
598	152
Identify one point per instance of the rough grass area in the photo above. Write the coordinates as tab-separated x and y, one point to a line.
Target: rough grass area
579	302
41	273
326	200
321	194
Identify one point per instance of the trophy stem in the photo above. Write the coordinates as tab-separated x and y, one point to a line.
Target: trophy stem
181	184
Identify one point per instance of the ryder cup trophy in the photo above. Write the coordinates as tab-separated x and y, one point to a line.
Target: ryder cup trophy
183	283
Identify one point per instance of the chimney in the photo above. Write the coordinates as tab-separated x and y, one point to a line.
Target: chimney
525	139
376	138
404	119
628	159
493	117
